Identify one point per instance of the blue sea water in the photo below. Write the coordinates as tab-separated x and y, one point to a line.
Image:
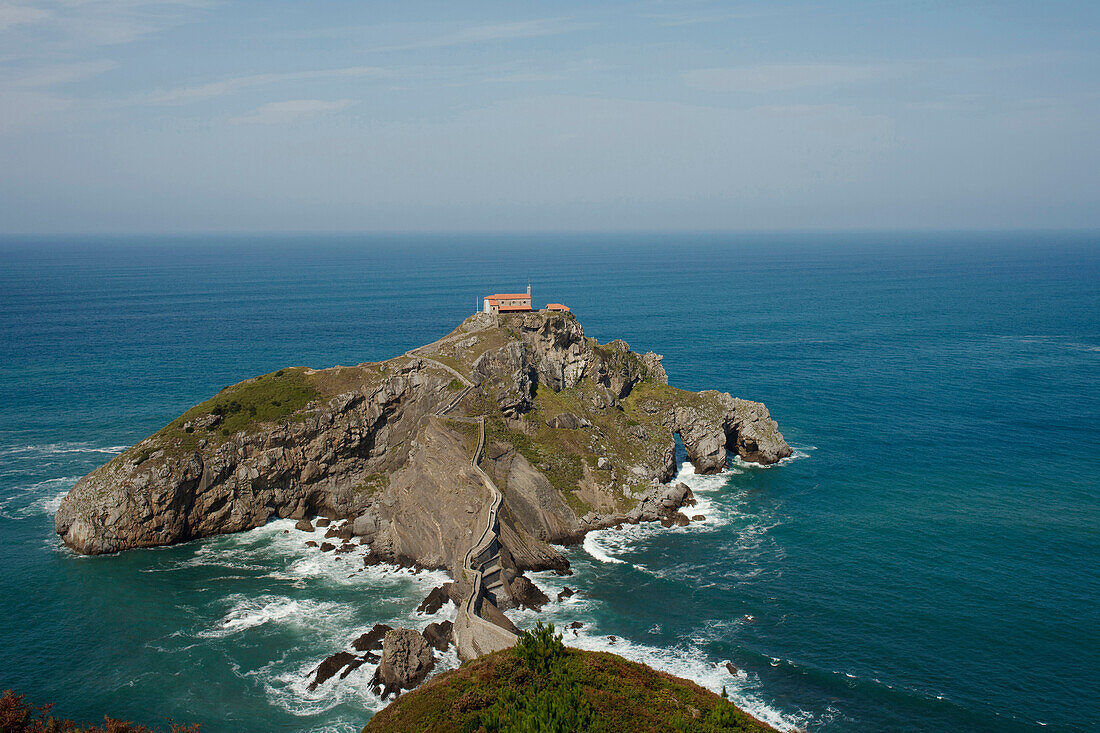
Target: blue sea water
928	561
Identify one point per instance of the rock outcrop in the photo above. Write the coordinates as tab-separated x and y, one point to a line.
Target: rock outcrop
577	435
406	660
739	425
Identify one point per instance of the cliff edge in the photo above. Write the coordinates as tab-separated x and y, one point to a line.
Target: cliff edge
577	435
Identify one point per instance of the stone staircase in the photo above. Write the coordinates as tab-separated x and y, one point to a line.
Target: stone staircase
473	634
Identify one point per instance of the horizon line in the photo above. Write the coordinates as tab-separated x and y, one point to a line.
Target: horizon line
1084	230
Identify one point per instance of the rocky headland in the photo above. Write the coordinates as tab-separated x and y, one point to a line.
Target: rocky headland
474	454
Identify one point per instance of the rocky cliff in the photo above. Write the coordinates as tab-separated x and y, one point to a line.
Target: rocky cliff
577	435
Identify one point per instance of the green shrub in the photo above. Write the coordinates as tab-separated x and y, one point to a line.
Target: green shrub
540	649
554	702
17	716
264	399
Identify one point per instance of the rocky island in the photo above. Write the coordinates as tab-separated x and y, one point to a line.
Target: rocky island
474	454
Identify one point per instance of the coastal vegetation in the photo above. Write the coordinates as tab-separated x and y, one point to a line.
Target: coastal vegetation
266	398
19	716
543	686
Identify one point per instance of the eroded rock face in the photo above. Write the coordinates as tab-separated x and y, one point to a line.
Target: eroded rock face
756	436
526	594
314	466
561	354
424	507
615	367
508	376
435	599
397	476
743	426
439	635
372	640
568	421
331	666
406	660
654	370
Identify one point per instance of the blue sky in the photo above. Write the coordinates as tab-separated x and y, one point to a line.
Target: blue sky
147	116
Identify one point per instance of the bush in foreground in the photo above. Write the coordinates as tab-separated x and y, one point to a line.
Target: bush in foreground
541	686
18	716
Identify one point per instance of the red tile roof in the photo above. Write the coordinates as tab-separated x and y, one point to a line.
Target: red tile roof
556	307
514	308
509	296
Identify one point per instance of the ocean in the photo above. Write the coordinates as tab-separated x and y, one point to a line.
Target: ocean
928	560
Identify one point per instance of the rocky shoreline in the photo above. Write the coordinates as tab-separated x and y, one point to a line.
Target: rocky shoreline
571	435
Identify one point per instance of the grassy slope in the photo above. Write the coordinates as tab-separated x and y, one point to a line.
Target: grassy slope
264	400
624	696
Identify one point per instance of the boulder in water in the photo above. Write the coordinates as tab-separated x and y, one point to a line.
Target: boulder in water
331	666
372	640
406	661
439	635
435	600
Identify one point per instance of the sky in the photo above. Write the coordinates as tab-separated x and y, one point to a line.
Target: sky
150	116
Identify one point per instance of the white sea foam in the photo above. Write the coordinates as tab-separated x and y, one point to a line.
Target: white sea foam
56	449
286	682
686	660
593	547
797	452
605	545
43	497
323	625
247	613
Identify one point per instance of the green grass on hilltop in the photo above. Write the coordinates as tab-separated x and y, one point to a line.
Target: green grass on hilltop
540	686
265	398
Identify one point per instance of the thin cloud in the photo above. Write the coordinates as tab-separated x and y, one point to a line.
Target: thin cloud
760	78
58	74
67	26
293	110
672	20
229	86
522	78
13	15
27	95
494	32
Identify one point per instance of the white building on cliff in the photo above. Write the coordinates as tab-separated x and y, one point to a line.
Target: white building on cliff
508	302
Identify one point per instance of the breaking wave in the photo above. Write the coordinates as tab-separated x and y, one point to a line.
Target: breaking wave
247	613
723	508
687	660
58	449
43	497
314	604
